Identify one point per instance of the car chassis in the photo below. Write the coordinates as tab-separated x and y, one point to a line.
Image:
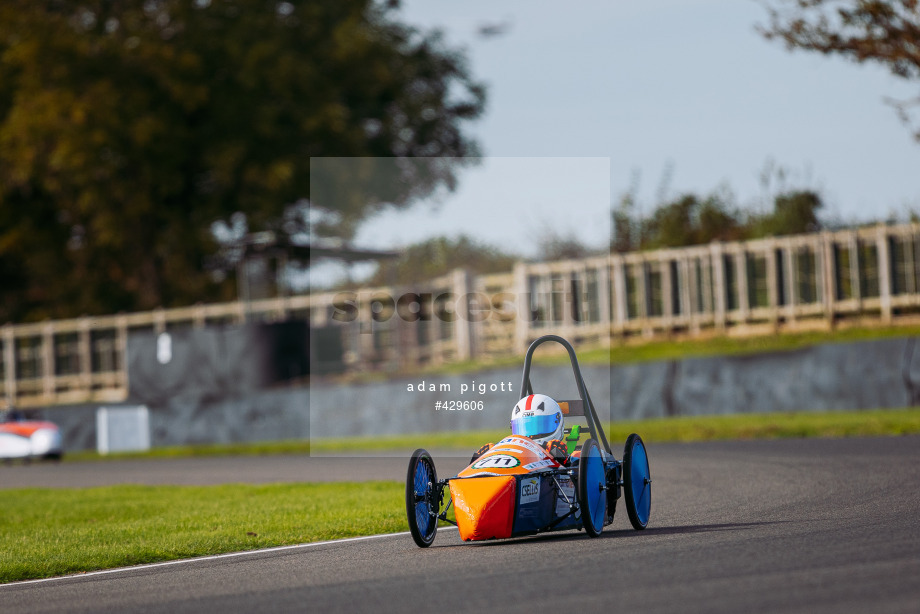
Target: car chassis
550	497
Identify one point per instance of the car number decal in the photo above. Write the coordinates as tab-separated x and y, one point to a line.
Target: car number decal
496	461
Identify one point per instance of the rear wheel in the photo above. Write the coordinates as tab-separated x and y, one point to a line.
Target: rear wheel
592	496
637	482
422	498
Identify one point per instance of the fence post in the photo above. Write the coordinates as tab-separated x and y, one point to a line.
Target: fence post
198	316
9	363
84	342
718	283
830	276
855	288
744	296
604	308
772	280
570	280
463	329
644	301
667	291
48	367
791	279
620	310
121	349
683	288
706	271
522	302
910	265
696	267
884	272
159	320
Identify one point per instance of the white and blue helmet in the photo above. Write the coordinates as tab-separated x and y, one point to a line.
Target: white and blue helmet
539	417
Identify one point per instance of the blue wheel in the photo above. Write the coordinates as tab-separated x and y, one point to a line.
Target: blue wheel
637	482
422	498
592	487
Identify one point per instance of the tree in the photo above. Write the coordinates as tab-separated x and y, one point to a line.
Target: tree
687	220
438	256
128	128
886	32
793	213
691	220
672	224
624	226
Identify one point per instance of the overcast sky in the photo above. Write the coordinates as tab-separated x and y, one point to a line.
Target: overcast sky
681	84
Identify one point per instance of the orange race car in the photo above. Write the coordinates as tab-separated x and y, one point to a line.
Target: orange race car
523	485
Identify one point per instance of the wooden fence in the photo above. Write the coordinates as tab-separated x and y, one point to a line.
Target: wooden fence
754	287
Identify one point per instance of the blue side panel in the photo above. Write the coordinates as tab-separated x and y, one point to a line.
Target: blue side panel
536	497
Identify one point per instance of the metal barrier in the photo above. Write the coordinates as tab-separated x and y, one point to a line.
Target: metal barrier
753	287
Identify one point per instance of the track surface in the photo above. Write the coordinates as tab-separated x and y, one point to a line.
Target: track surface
768	526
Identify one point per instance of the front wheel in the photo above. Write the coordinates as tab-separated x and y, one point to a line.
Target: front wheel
637	482
422	504
592	484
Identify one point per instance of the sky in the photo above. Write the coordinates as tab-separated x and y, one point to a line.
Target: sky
674	96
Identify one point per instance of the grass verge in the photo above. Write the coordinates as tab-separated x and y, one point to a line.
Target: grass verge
49	532
877	422
733	346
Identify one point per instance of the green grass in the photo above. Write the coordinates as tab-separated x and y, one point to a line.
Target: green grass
877	422
260	448
868	423
728	346
48	532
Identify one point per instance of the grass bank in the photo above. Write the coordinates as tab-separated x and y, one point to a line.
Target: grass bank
877	422
49	532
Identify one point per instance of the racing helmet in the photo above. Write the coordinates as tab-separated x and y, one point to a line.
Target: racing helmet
537	416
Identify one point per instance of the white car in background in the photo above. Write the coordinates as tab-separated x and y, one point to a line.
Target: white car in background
28	439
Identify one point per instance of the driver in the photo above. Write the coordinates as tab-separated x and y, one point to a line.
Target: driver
539	417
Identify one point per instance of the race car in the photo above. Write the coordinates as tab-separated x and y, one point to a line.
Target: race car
28	439
518	487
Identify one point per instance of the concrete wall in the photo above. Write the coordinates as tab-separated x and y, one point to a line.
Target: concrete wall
864	375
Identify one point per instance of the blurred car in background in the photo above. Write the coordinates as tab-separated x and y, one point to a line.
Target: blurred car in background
21	438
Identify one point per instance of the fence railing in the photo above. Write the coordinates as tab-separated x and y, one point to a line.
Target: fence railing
759	286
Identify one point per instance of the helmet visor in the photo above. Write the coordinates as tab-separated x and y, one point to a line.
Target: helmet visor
535	426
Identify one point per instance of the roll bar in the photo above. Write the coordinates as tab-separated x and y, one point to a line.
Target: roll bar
594	424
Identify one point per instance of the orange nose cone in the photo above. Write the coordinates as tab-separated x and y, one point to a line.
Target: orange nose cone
484	506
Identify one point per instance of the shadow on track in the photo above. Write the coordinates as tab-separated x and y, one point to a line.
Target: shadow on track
618	533
700	528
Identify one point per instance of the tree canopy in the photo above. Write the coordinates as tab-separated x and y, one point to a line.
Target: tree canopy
886	32
128	128
440	255
692	220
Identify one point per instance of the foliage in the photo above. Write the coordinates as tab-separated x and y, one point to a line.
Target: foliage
690	220
553	245
885	32
128	129
439	256
856	423
793	213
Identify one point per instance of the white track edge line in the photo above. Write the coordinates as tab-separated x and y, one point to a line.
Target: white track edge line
213	557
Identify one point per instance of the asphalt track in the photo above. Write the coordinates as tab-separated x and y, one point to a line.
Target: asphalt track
763	526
